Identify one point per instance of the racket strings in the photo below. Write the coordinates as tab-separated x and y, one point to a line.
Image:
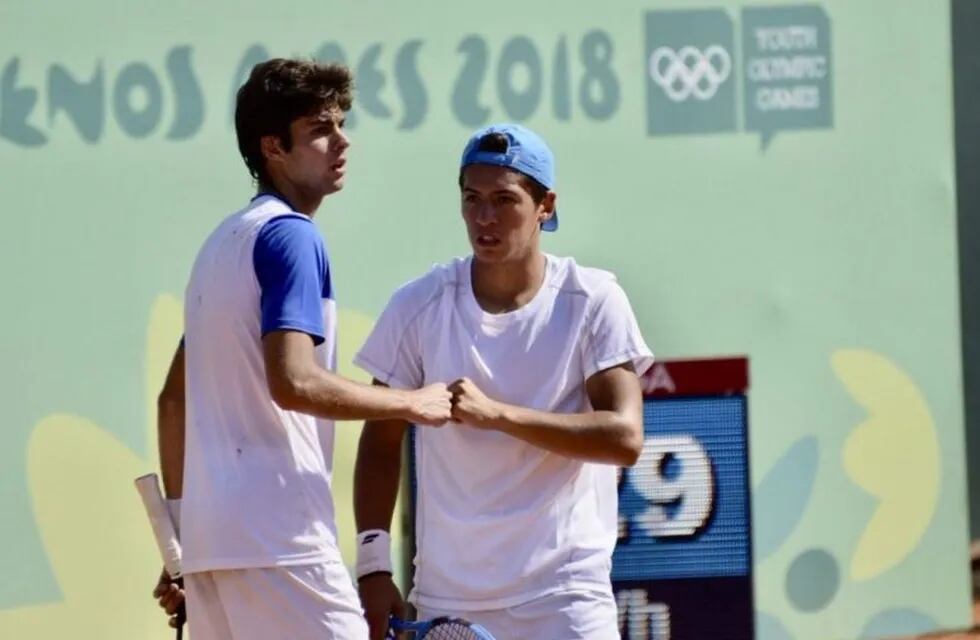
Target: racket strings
452	631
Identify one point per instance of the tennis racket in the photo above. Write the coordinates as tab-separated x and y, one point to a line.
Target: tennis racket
444	628
164	533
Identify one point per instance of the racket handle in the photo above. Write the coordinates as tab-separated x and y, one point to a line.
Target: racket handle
163	527
181	619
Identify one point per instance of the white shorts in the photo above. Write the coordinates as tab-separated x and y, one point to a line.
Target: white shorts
298	602
573	615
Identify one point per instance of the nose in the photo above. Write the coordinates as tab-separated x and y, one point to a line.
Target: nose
341	140
485	214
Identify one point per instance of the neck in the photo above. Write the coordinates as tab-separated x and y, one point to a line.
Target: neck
506	286
301	200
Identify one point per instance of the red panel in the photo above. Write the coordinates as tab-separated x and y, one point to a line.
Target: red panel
702	377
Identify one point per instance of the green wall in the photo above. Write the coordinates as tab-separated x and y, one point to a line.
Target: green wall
821	241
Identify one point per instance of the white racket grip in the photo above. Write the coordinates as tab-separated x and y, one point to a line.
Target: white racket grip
163	527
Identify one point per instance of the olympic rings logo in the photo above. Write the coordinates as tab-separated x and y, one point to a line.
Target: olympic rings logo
689	71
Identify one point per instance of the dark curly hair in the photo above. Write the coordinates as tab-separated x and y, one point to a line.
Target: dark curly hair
279	91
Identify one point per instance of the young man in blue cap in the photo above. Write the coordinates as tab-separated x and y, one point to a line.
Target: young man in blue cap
516	514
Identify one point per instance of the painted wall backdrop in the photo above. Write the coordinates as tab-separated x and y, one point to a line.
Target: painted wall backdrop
771	179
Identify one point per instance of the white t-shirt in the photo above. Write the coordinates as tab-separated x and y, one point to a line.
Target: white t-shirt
500	521
256	478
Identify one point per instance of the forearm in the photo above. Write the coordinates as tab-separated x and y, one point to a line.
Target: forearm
170	436
170	427
377	474
596	436
297	382
324	394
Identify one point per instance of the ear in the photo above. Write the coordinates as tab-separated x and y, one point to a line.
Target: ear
272	149
547	207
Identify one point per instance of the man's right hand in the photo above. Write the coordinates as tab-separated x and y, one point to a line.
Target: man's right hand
170	596
431	405
380	599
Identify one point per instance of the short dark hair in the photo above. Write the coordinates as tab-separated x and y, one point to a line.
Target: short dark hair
498	143
279	91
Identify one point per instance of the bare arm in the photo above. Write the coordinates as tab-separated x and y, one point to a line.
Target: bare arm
377	472
612	432
297	383
376	477
170	442
170	427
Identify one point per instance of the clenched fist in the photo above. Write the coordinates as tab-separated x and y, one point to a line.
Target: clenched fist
170	596
430	405
472	406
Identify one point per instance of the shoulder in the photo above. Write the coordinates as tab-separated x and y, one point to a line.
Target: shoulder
288	238
413	297
289	248
574	279
289	229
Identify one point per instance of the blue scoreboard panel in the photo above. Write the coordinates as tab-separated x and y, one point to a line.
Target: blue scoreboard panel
682	569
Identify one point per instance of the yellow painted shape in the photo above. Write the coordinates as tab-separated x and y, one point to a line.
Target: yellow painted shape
91	521
893	455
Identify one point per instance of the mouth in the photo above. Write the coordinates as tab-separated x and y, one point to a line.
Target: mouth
339	165
487	241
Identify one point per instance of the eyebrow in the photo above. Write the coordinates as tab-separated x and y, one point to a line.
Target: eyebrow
509	192
318	125
326	116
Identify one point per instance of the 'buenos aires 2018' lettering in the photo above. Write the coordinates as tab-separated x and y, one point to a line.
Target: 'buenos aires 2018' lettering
134	96
521	79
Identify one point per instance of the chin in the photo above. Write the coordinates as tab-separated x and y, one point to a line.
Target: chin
333	187
489	256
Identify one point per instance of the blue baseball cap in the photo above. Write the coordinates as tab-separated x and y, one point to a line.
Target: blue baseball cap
526	152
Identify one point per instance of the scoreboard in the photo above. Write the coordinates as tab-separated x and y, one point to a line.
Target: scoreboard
682	566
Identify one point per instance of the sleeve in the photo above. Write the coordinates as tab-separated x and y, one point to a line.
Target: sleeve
290	264
392	352
612	336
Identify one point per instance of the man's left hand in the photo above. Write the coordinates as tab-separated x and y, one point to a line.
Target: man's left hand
472	406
